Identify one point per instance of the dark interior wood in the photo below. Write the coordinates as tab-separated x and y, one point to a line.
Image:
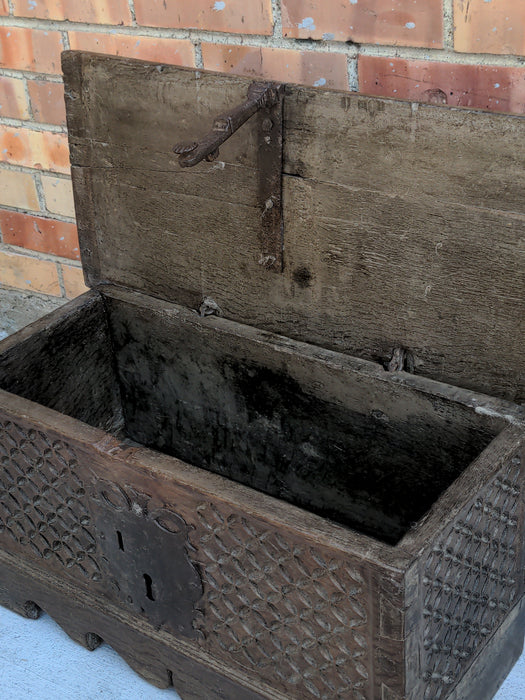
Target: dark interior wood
64	361
403	223
251	406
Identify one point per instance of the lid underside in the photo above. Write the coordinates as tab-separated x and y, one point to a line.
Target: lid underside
403	223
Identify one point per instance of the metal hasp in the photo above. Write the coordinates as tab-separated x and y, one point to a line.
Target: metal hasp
265	100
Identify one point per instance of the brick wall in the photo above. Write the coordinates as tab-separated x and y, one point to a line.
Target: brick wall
460	52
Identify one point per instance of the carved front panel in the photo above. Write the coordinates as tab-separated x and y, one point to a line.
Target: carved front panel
288	611
43	503
109	538
277	606
471	580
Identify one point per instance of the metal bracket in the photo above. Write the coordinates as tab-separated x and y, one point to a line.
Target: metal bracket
265	99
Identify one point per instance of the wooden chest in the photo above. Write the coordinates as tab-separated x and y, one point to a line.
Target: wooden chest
276	451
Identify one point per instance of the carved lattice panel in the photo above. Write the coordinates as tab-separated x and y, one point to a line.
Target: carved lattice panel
471	581
291	612
43	501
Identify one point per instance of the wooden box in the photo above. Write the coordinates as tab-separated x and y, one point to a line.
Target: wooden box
276	451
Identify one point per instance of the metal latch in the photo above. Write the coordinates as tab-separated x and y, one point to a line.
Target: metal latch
266	99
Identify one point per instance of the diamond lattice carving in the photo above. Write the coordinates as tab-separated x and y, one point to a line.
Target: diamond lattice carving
43	502
288	610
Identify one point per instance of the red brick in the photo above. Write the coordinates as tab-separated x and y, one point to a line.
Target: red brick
94	12
4	7
47	102
393	22
58	194
13	100
304	67
30	49
34	149
489	26
177	51
18	190
73	281
232	16
497	88
24	272
36	233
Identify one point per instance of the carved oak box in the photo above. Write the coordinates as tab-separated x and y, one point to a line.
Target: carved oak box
276	450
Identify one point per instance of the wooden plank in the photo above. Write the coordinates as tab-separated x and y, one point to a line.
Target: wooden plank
164	510
407	149
151	106
166	263
27	590
386	272
403	226
500	462
475	540
232	183
168	475
213	395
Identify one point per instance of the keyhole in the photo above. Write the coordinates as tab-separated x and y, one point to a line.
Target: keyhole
120	541
149	587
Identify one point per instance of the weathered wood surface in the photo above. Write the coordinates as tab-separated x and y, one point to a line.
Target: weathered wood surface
468	579
25	589
64	361
118	512
177	567
216	586
404	224
297	579
268	413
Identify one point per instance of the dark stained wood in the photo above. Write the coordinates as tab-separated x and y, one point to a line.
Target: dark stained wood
64	361
167	476
282	560
303	574
449	627
508	445
403	223
245	515
286	562
212	394
489	670
26	590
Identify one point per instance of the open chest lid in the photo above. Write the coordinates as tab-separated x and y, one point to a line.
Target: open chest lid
401	235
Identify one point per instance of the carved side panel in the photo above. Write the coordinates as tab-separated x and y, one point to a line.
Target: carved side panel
43	509
471	580
288	611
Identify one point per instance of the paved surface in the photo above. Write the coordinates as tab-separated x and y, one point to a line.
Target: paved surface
38	661
17	309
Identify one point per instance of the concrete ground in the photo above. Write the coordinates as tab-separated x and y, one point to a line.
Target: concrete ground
17	309
38	661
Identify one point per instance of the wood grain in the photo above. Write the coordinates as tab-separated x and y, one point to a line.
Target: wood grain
64	361
403	223
247	515
182	569
210	393
454	155
24	589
